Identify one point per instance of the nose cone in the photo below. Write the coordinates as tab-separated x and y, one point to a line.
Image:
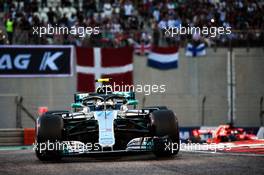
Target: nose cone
106	127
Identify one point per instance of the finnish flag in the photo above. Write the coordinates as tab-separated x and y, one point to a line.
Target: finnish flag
193	51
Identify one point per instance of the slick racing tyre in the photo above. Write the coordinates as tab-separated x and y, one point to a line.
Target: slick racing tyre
164	126
48	134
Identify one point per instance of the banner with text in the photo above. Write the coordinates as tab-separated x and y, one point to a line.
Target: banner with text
36	61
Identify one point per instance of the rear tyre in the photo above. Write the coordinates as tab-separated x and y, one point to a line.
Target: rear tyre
48	134
164	126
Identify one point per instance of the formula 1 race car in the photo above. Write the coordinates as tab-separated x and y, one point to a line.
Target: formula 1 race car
223	133
228	133
106	122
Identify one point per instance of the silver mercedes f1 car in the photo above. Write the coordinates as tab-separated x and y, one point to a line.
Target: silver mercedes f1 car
103	123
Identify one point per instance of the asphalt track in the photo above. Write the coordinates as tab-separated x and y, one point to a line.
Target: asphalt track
24	162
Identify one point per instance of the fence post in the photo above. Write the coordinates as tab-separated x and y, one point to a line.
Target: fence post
143	101
18	101
261	111
203	110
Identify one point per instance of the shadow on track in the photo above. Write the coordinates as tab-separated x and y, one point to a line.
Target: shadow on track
115	158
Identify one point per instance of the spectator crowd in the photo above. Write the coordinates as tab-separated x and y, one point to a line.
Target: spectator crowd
126	22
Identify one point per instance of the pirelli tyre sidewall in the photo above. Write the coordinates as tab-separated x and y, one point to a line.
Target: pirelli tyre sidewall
165	130
48	130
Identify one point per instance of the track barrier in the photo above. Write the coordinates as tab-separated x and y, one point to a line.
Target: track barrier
29	136
17	136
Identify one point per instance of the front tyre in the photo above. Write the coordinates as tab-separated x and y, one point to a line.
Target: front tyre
164	126
48	134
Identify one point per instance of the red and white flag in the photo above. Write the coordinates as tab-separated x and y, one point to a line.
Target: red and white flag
95	63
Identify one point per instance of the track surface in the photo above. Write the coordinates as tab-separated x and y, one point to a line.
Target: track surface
25	162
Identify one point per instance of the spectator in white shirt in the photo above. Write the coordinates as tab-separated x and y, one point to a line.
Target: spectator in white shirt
156	14
107	8
170	5
128	7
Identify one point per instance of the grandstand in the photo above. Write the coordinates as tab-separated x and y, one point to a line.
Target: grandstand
123	22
